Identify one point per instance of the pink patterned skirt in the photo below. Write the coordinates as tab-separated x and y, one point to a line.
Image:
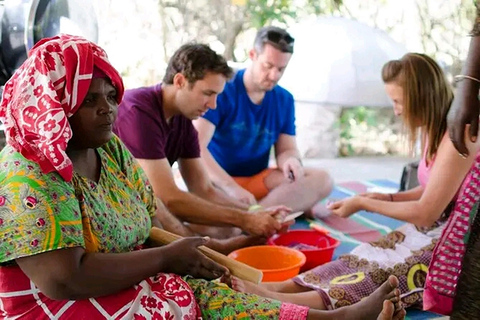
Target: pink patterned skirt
165	296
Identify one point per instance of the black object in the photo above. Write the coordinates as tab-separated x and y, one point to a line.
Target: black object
409	178
25	22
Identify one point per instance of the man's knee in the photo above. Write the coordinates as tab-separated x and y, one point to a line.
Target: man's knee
322	180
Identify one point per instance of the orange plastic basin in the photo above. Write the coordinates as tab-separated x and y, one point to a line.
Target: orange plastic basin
276	263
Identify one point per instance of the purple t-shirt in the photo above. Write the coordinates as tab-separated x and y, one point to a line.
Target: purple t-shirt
142	127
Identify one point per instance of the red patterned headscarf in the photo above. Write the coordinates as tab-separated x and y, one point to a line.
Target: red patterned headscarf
45	91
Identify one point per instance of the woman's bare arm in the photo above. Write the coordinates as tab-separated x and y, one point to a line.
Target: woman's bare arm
74	274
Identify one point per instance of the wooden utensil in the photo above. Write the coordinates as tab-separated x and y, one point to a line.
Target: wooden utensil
238	269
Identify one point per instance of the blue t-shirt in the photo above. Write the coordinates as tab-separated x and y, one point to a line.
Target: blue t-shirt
245	132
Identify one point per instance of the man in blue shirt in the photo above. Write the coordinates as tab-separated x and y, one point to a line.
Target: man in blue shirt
253	114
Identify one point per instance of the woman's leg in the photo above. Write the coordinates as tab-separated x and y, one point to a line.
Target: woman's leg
217	301
382	304
306	298
287	286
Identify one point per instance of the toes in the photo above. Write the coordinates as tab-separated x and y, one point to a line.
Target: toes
387	311
399	307
400	315
394	295
236	284
387	289
393	281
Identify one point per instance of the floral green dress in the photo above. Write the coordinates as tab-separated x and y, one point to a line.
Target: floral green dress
41	212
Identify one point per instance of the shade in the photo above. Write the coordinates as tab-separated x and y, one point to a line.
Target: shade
338	61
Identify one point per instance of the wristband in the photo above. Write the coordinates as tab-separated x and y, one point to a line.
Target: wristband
254	207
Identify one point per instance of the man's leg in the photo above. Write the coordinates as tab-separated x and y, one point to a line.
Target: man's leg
214	231
300	194
169	222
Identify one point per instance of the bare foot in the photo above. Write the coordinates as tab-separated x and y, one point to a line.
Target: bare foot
390	312
372	306
320	211
250	287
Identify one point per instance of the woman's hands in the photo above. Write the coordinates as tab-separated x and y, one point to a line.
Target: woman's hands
182	257
346	207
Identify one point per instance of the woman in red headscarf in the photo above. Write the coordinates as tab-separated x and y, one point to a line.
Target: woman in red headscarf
75	210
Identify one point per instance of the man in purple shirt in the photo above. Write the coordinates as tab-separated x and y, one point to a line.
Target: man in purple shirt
155	123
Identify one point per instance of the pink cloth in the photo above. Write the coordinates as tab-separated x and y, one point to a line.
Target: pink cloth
423	172
290	311
446	264
165	296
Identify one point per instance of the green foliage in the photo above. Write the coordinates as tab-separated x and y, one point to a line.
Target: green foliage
358	115
264	12
351	120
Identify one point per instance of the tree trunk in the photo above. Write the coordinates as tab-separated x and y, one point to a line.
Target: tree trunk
230	40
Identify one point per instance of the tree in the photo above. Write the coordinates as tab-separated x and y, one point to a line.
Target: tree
438	28
444	27
224	21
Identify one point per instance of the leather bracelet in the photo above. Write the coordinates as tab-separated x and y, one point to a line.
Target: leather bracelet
391	197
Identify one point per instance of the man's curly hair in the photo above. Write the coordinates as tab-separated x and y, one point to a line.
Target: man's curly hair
194	61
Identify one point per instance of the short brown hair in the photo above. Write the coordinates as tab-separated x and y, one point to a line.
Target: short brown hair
194	61
427	97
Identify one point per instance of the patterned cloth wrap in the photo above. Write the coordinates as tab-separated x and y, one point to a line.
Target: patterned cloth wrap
48	88
427	261
45	205
446	264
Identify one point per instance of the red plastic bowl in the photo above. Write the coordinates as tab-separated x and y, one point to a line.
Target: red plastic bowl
315	257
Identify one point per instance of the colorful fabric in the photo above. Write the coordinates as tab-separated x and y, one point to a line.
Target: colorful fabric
42	212
165	296
361	227
47	89
255	184
465	304
142	126
446	265
217	301
405	253
245	132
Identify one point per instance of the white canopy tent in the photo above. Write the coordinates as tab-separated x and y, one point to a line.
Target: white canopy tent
338	61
